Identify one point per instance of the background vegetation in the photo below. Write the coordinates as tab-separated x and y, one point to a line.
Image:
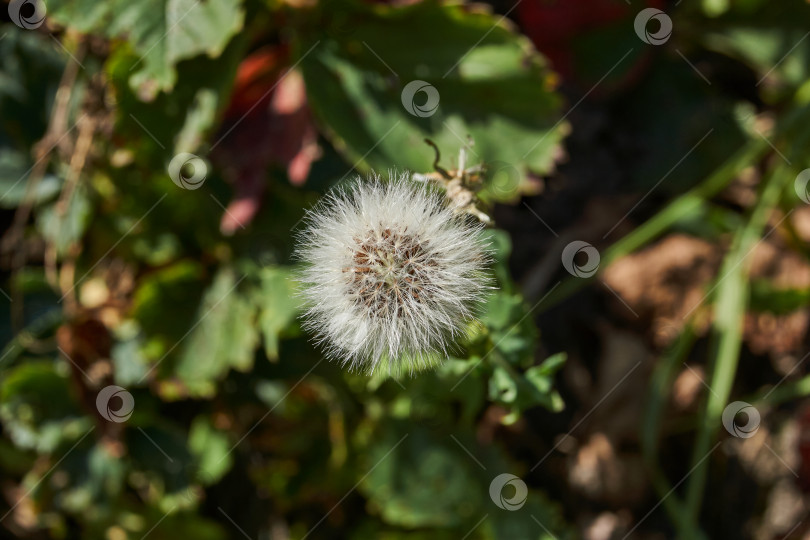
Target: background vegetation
678	157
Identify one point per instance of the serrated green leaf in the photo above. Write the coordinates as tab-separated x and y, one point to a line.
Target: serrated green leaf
491	84
162	32
412	467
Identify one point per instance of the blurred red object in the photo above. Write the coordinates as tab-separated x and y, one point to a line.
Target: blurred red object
555	25
267	122
803	417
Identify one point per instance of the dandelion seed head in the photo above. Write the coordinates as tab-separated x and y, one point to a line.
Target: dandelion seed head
392	276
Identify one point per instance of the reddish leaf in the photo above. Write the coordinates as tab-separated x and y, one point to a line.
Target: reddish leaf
554	25
267	122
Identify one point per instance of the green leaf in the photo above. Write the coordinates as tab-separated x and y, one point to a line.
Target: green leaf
530	389
541	383
523	523
13	184
127	354
434	404
211	447
162	32
278	306
164	304
511	329
428	478
770	41
779	301
36	407
30	70
102	480
503	388
199	120
550	365
412	467
187	525
224	336
160	453
176	121
501	247
491	85
63	227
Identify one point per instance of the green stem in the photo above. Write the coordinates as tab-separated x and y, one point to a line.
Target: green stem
687	203
785	392
659	392
727	328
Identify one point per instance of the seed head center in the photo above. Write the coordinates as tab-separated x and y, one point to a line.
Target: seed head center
388	271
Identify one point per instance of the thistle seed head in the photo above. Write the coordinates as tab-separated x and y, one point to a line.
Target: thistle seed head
392	276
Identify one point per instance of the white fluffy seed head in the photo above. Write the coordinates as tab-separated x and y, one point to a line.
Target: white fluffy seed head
391	276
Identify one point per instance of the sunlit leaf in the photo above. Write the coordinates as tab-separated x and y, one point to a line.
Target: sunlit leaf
478	79
162	32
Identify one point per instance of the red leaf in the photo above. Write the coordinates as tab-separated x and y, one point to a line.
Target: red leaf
267	122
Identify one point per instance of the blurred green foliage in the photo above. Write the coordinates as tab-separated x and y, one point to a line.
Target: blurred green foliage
119	276
233	408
